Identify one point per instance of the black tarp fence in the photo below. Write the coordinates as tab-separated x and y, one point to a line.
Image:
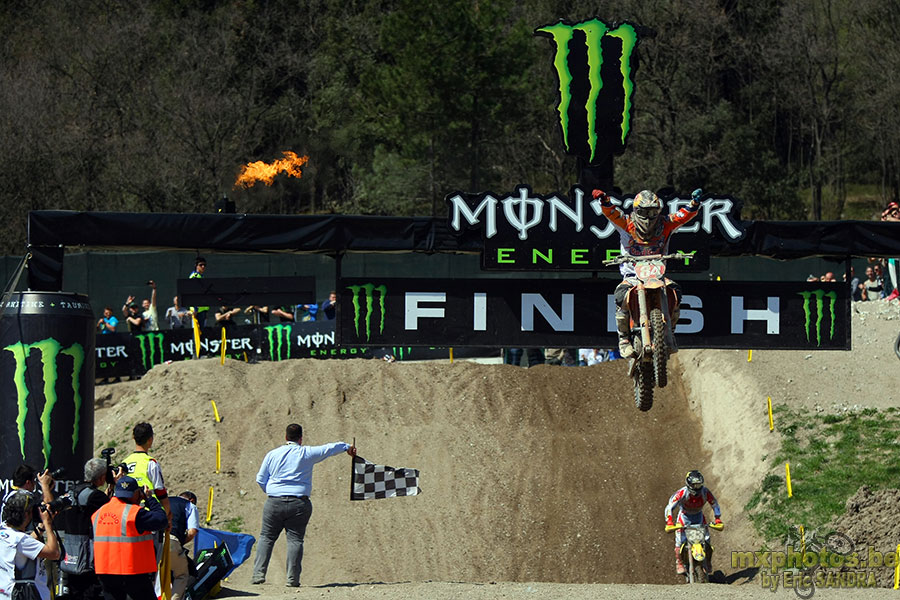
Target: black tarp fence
51	231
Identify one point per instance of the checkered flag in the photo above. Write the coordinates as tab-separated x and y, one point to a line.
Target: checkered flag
369	481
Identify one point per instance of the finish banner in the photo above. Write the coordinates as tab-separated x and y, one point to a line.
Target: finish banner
132	355
581	313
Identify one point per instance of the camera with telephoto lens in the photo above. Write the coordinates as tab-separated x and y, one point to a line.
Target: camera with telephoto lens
58	473
107	453
62	503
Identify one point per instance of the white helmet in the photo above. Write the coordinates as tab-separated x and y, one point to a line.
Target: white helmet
645	214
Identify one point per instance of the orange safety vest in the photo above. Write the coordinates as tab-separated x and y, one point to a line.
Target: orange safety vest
118	547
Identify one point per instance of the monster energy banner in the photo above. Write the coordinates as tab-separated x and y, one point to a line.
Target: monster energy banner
594	64
132	355
46	384
581	313
524	231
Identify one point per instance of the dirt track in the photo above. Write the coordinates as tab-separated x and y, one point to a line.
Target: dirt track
529	475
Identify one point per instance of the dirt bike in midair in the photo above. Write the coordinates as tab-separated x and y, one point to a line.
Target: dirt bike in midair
651	305
696	551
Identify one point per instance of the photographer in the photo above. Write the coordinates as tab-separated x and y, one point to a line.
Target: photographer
185	523
124	559
20	553
77	533
26	478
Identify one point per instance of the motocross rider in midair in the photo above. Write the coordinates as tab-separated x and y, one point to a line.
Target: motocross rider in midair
645	231
689	501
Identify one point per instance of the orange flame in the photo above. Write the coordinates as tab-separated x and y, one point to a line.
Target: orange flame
260	171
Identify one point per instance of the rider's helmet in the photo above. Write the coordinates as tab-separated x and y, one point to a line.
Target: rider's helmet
694	481
645	213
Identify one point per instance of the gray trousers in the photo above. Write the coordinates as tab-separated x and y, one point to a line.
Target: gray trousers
291	514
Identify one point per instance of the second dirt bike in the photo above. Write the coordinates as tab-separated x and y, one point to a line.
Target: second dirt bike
696	551
651	304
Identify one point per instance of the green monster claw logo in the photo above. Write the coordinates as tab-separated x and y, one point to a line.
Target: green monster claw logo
820	296
593	31
276	339
50	349
151	344
369	290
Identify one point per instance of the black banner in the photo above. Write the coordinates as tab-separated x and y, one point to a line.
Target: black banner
132	355
242	291
580	313
47	391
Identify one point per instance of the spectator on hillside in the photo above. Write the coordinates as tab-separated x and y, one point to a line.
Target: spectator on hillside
177	316
264	314
225	317
872	286
829	276
588	357
133	317
151	322
879	269
325	309
855	286
108	323
200	311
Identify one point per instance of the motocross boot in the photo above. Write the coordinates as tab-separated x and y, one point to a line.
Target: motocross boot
679	564
676	314
623	325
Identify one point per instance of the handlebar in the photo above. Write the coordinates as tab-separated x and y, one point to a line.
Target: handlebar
623	258
716	526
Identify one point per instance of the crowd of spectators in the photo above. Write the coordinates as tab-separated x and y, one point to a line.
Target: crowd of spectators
881	274
566	357
143	317
91	543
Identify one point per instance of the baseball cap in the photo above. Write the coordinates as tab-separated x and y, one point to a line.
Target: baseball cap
126	487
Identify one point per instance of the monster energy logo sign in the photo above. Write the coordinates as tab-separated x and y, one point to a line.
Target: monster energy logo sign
276	340
820	296
151	348
49	350
367	291
570	70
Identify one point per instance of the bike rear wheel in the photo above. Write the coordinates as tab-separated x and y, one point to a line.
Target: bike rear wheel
897	346
660	347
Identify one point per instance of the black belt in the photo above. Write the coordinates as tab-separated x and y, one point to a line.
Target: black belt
294	497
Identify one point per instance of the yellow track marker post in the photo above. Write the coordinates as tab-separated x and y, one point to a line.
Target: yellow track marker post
218	456
771	422
209	506
897	571
802	542
749	355
223	345
451	356
215	411
787	474
196	336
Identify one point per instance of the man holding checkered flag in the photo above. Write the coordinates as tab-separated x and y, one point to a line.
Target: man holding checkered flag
369	481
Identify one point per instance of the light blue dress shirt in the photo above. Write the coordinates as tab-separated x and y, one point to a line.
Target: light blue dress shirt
287	470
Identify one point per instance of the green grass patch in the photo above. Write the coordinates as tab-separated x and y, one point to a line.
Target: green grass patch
235	524
830	457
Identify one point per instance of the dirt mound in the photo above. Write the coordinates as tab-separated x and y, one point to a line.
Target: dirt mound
543	474
871	523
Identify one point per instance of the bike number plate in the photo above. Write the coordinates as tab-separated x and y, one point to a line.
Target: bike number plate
647	271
